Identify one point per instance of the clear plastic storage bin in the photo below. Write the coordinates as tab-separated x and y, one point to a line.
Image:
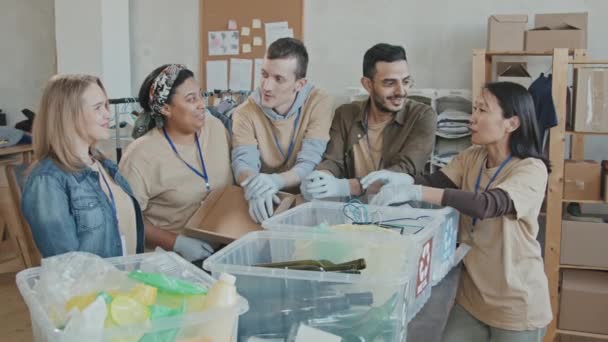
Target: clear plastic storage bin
370	306
422	224
165	263
312	214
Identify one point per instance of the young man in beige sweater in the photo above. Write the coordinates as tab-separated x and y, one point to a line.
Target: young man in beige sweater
280	132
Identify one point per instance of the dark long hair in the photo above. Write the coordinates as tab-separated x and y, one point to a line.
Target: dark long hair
515	100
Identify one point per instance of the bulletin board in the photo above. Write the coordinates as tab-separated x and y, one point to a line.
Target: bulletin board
215	16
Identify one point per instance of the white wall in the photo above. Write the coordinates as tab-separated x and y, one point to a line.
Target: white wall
438	34
78	37
27	54
163	32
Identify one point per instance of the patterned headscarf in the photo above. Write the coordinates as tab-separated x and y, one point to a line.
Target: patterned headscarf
158	96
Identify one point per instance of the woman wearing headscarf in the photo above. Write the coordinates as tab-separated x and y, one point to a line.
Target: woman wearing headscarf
179	155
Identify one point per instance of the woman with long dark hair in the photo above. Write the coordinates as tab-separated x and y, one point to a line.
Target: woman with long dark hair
499	185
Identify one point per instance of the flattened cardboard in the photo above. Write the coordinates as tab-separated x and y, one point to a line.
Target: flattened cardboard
515	72
584	301
506	32
582	180
224	215
591	100
584	244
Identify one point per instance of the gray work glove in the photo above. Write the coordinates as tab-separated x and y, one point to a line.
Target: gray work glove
192	249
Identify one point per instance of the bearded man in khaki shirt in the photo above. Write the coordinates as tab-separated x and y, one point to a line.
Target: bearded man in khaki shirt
386	131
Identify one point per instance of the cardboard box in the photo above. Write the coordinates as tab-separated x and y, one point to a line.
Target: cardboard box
224	215
591	100
584	301
506	32
582	180
584	244
557	30
605	179
515	72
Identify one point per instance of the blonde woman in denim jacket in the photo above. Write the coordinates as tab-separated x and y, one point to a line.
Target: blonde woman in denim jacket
74	199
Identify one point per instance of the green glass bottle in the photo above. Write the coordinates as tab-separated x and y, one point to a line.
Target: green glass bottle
373	323
318	265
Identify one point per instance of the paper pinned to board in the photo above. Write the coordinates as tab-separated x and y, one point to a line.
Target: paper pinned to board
256	23
223	43
257	41
246	48
245	31
240	74
276	31
232	24
217	75
257	72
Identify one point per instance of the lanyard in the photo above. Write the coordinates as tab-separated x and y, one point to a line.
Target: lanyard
200	154
291	140
369	146
502	165
113	202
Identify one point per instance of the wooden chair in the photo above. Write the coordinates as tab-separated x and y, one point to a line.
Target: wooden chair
17	250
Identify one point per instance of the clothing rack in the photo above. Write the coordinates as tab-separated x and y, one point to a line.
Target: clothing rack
123	105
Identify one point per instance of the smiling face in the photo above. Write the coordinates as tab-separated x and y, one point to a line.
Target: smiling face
279	85
96	114
186	110
488	124
389	86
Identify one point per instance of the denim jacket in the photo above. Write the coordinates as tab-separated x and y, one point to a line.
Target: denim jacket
68	211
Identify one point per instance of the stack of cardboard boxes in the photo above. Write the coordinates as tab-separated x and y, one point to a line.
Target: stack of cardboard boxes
555	30
584	244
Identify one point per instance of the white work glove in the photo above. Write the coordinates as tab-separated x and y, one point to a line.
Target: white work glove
322	185
387	177
192	249
304	190
257	186
262	208
391	194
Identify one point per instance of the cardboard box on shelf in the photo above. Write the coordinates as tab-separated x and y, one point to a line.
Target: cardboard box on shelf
584	244
582	180
591	100
584	301
557	30
515	72
506	32
224	215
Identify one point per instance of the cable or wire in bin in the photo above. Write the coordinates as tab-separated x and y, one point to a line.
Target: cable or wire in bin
359	214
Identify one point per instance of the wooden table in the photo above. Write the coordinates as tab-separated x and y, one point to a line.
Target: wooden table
17	251
15	324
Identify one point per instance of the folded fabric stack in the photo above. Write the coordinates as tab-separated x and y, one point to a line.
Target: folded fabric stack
454	108
453	124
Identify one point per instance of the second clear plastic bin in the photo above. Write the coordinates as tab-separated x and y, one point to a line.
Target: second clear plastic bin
184	328
371	306
433	231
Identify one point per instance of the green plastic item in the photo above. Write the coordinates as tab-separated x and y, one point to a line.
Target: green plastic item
159	311
167	284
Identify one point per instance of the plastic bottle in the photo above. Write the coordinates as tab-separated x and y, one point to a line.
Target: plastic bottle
222	295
